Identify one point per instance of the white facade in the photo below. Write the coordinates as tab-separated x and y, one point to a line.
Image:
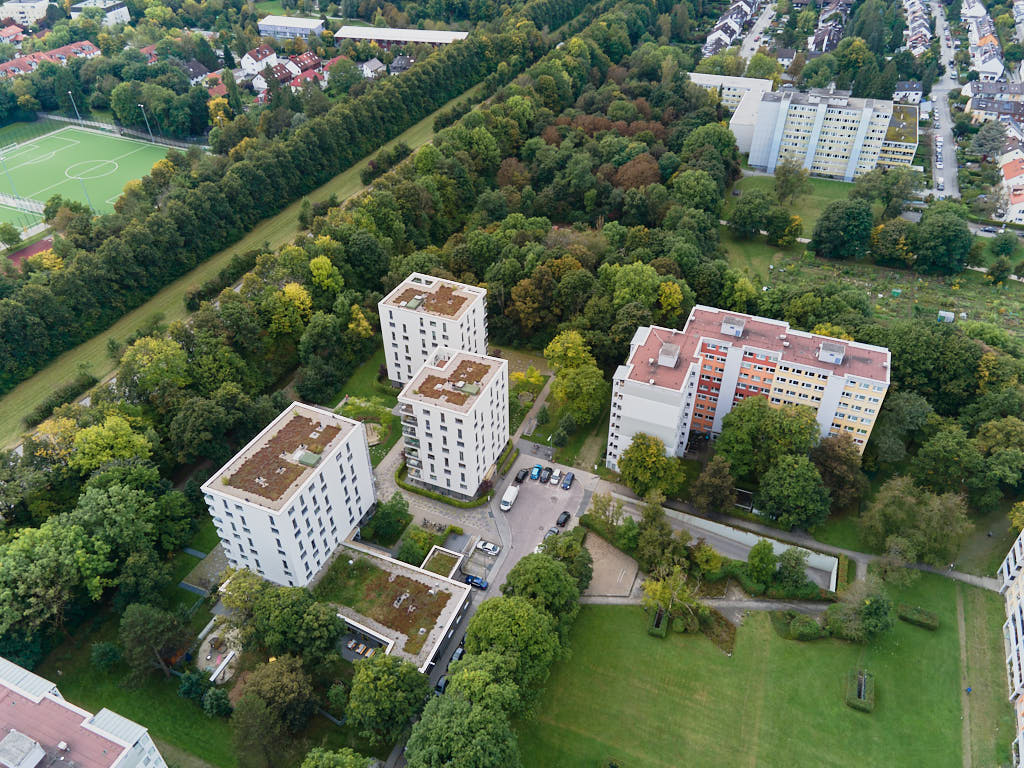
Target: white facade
425	313
286	501
25	12
258	59
287	27
385	37
1012	587
114	11
455	420
678	384
731	89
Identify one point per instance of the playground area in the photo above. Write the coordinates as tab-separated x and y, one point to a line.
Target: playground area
78	163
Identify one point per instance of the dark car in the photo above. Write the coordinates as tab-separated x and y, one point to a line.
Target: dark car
521	475
989	229
563	519
476	581
567	481
545	475
441	685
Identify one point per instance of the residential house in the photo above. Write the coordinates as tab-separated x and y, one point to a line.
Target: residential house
284	71
27	63
114	11
309	76
1011	172
12	34
908	92
258	59
307	61
24	12
195	72
373	68
826	38
401	63
785	57
149	51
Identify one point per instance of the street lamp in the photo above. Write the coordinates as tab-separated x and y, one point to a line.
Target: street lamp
77	114
147	123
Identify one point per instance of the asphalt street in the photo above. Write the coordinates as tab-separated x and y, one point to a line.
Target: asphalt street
940	98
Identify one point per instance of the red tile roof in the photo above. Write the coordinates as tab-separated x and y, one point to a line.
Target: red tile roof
308	76
307	60
260	53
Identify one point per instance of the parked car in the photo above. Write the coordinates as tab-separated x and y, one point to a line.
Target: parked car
567	481
511	494
942	187
459	653
545	475
989	229
441	685
535	472
563	519
521	475
476	581
488	547
552	532
556	477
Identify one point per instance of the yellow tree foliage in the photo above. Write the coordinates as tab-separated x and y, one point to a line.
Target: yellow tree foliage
325	275
47	260
833	330
568	350
1017	516
299	297
220	111
358	324
56	439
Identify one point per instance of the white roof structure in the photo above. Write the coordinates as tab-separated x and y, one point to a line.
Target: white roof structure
291	21
434	37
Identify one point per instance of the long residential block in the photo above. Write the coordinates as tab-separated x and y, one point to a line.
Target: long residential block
426	313
1012	588
455	420
39	728
286	501
679	385
833	134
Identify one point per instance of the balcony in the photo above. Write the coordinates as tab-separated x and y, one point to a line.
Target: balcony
410	421
412	452
412	462
405	410
414	473
412	442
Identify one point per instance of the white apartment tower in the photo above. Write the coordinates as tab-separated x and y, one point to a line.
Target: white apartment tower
1012	588
425	313
455	420
681	383
293	494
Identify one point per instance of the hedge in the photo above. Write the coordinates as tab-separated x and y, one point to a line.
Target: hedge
918	616
400	474
507	459
737	569
661	630
804	628
240	264
65	394
867	703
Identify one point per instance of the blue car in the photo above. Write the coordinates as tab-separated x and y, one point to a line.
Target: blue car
567	481
535	472
476	581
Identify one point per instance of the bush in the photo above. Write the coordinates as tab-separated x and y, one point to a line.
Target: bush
567	424
60	396
401	473
216	703
104	655
739	571
240	264
506	465
543	417
862	700
559	438
687	623
806	628
337	699
919	617
657	623
842	621
194	686
391	518
385	160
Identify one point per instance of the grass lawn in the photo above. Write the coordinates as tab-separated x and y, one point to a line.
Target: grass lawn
647	702
842	530
363	383
270	233
809	207
206	537
155	704
440	563
754	256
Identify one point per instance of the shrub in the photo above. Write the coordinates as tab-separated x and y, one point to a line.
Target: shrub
60	396
104	655
806	628
843	621
919	617
687	623
559	438
193	686
739	571
860	690
567	424
657	623
337	699
543	417
216	703
240	264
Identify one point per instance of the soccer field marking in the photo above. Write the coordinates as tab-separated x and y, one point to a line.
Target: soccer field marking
96	165
45	157
36	195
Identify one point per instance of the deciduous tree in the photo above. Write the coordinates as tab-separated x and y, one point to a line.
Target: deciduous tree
387	692
792	493
714	491
454	733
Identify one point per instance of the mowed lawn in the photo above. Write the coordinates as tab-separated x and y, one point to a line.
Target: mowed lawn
808	207
169	303
652	703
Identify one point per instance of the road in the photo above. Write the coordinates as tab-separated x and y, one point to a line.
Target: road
750	44
940	98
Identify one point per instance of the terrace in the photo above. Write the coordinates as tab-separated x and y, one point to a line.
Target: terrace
433	296
453	379
902	125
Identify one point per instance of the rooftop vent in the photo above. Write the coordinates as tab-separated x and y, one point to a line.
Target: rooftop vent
669	355
831	352
733	326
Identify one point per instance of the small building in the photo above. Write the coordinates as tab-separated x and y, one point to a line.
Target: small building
288	27
12	34
386	37
114	11
945	316
784	56
258	59
306	61
283	72
401	63
195	72
373	68
908	92
149	51
298	82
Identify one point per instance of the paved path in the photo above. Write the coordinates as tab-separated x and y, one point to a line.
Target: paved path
940	98
750	44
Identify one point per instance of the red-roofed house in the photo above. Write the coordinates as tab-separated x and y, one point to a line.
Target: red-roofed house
149	51
677	385
309	76
258	59
307	61
215	86
38	727
25	64
283	71
12	34
1011	168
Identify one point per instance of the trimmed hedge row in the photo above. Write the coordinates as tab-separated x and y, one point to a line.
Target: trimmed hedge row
918	616
653	627
737	569
863	701
400	475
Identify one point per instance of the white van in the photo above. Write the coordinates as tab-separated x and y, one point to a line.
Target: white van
509	498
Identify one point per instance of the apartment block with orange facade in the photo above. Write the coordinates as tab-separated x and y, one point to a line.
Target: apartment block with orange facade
677	385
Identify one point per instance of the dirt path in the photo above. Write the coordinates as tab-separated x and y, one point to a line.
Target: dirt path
965	698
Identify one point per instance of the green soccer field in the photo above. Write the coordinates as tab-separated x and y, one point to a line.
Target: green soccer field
76	163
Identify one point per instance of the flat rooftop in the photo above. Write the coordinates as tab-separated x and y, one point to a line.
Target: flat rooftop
903	124
433	296
452	380
760	333
437	36
291	21
280	459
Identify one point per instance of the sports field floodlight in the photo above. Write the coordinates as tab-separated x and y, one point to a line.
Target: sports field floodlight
77	114
147	123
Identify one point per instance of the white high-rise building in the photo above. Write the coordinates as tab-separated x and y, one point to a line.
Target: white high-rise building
681	383
1012	588
285	501
455	420
425	313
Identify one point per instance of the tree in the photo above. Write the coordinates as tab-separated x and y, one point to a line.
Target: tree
9	235
387	692
761	562
844	230
486	678
343	74
216	703
390	519
755	434
1000	269
546	583
286	689
935	525
340	758
114	440
149	637
750	214
193	685
942	242
715	490
792	569
761	65
891	244
863	612
671	594
568	350
582	392
257	732
569	550
454	733
155	370
515	627
791	181
792	493
903	416
104	655
989	140
1016	515
644	466
1003	244
838	462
